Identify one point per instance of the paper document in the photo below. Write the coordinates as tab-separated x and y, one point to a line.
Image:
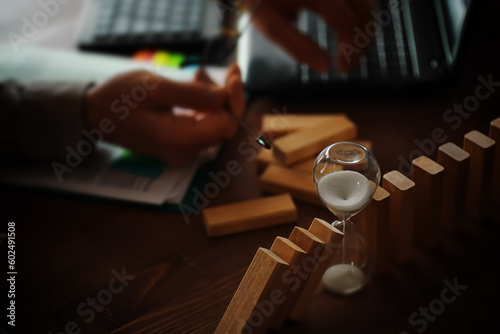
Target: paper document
111	171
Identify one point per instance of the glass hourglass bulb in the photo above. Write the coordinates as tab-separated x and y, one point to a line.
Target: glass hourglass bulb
346	175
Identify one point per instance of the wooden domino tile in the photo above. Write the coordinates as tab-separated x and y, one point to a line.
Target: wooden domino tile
455	162
266	158
254	302
308	164
332	238
402	215
305	165
428	177
299	184
482	154
280	125
306	143
249	215
373	223
294	256
313	246
495	135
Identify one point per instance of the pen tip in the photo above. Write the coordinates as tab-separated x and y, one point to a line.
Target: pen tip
263	142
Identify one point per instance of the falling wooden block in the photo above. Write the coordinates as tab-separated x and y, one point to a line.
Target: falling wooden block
300	185
249	215
482	157
373	223
428	178
402	215
294	256
455	162
313	246
252	307
332	238
280	125
495	135
308	142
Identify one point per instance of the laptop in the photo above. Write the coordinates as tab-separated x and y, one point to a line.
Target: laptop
417	45
128	26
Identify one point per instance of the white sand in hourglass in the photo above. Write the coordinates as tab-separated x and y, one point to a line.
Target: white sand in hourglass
344	192
343	278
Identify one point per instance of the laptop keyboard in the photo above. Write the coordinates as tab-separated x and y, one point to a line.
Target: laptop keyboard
387	58
142	23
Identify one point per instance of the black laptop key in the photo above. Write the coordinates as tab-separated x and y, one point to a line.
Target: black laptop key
130	25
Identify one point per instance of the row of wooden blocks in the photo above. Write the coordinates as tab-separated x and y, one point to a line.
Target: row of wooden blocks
439	195
467	174
404	211
280	281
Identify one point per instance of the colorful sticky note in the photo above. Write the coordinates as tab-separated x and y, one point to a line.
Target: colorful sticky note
143	55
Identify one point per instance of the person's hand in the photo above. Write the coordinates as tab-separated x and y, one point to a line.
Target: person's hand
276	19
135	110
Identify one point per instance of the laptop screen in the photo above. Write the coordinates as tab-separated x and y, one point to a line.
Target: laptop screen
456	14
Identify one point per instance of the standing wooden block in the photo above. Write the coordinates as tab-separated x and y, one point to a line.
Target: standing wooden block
331	237
428	178
455	182
373	224
300	185
253	304
402	215
495	135
308	142
249	215
482	157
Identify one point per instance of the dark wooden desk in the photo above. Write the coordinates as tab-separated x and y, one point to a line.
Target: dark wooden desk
157	274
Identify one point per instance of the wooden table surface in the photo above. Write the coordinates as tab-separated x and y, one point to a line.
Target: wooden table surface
159	274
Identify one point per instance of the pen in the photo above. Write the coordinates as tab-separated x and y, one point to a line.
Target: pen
259	139
204	59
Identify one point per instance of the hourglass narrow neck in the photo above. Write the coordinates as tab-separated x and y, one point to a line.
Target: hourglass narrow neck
341	224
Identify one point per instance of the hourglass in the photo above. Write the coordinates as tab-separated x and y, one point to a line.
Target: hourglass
346	175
